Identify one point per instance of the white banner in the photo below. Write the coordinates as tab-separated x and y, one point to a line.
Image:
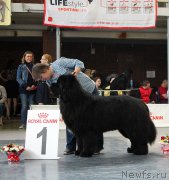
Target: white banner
100	13
159	113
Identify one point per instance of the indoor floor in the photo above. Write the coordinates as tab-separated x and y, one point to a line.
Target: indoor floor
112	163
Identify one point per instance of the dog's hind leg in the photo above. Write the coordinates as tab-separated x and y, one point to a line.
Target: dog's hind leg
129	149
141	149
123	133
89	144
138	146
132	148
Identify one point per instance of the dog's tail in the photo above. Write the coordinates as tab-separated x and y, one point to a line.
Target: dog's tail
151	132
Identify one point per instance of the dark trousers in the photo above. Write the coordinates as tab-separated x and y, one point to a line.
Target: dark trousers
71	140
1	109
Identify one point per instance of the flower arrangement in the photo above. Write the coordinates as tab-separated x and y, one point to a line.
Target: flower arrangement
13	151
165	139
165	144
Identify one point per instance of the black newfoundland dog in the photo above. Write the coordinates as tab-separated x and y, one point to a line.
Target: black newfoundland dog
86	115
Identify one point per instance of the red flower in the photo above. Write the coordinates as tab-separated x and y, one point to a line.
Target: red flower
9	145
162	137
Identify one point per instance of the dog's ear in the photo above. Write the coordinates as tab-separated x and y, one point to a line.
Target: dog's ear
66	81
66	78
68	87
64	86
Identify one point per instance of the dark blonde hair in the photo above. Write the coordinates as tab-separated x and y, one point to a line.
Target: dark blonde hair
25	53
39	69
48	57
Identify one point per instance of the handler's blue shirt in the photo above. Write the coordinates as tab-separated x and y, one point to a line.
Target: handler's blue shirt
66	66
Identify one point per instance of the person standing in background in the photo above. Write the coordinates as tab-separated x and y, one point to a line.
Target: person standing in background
27	86
162	90
98	82
3	98
8	75
43	92
146	92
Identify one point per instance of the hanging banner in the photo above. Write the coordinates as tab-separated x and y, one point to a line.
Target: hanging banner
117	14
5	12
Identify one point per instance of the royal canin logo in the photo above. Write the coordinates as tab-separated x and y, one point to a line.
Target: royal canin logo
43	115
156	117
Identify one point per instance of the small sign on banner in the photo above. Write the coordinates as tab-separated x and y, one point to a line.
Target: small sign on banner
42	134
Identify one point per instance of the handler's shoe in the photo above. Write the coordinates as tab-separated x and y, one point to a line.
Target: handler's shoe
68	152
22	126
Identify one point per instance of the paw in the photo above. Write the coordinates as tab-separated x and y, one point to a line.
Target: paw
84	154
141	150
130	150
77	153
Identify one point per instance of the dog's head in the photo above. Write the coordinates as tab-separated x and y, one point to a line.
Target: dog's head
66	87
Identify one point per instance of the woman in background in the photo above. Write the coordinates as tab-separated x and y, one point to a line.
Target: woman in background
98	82
27	86
43	93
146	92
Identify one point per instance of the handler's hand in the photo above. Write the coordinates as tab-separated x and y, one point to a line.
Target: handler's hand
28	88
76	71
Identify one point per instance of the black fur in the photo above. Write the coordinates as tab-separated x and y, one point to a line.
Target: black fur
121	82
90	1
86	115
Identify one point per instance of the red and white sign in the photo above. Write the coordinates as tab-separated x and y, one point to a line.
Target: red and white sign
50	107
159	113
117	14
42	134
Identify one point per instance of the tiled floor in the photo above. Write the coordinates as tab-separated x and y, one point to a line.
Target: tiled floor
114	163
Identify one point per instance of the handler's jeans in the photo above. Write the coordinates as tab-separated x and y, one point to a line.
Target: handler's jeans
71	140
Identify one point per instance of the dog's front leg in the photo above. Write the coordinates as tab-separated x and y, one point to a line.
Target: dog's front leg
89	143
79	141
